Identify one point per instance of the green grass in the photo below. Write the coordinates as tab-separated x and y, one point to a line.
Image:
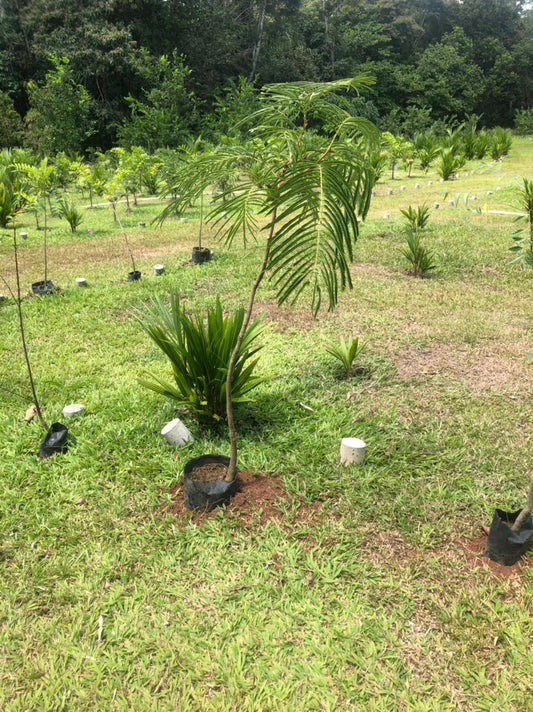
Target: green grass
357	595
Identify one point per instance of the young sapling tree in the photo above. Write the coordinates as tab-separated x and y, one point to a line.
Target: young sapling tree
304	179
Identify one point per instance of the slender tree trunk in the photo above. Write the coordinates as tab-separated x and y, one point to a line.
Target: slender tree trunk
45	246
257	46
201	220
22	333
232	467
527	510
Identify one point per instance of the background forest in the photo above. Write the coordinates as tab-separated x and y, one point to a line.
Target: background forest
84	75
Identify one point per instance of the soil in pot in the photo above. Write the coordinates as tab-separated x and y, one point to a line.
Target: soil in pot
43	288
55	440
204	485
505	546
134	276
200	255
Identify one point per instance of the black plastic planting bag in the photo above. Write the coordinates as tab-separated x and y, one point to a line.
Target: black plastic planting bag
205	496
200	255
54	441
134	276
43	288
504	545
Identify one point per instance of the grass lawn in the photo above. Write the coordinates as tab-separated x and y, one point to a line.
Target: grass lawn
346	588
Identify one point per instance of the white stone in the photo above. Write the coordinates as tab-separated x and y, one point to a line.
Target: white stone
430	182
353	451
389	191
72	411
402	187
417	185
176	433
386	216
436	205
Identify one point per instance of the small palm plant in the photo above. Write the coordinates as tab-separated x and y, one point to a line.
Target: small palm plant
199	352
523	238
419	257
346	352
70	212
305	180
417	219
449	163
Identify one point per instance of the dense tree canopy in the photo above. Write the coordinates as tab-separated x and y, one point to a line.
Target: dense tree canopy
145	63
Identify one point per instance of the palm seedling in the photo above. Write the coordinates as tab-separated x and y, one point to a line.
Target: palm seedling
417	218
346	352
449	163
523	237
419	257
70	212
199	351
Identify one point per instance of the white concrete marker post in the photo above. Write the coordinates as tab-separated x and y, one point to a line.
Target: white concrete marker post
176	433
353	451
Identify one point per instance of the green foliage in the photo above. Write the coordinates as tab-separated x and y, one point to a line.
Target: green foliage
427	147
346	352
58	119
11	126
523	122
199	351
68	210
417	218
501	142
167	114
481	144
312	188
13	190
523	238
419	257
233	109
449	163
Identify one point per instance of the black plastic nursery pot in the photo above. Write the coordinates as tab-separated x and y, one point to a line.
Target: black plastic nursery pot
43	288
134	276
55	440
200	255
505	546
204	496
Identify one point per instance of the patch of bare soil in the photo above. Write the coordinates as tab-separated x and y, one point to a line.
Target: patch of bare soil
478	369
472	551
258	500
459	556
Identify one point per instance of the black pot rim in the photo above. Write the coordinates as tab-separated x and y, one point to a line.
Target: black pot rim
191	465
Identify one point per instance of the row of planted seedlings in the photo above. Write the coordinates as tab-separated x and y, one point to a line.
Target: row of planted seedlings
305	191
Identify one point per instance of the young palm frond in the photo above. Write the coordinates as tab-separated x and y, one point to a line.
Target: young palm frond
199	352
346	353
69	210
